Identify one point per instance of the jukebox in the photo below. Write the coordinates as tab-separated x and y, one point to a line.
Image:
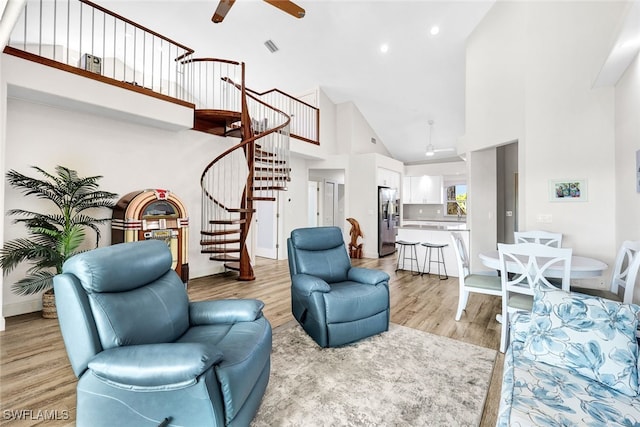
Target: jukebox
154	214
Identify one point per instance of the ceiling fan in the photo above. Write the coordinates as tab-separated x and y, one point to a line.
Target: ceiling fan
284	5
431	150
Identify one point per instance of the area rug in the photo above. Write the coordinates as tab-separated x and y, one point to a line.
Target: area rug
403	377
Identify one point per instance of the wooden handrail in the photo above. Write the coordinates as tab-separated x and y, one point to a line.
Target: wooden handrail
225	61
283	93
241	87
128	21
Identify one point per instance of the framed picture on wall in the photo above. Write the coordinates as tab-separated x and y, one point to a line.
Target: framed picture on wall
568	190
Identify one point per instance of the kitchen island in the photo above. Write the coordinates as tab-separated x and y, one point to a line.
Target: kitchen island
436	232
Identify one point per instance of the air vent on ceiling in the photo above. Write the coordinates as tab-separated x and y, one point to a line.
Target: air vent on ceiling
271	46
373	140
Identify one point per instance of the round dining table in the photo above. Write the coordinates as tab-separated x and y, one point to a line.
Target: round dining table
581	267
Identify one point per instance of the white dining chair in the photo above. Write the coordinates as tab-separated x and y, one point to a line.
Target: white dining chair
523	268
539	236
625	273
488	283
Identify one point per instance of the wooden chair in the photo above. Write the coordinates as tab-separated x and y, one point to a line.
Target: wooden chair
624	275
523	267
539	236
467	282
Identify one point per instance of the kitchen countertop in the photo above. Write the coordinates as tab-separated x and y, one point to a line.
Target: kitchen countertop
436	220
454	226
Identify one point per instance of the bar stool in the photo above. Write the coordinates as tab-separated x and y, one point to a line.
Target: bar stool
413	256
440	261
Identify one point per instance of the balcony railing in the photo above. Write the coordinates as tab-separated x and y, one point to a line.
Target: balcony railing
304	117
82	34
210	79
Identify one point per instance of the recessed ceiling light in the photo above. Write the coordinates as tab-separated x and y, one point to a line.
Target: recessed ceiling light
384	48
434	30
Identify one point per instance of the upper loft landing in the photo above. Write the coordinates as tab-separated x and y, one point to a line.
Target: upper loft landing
83	38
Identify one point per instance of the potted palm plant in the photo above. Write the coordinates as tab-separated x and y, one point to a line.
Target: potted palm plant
52	237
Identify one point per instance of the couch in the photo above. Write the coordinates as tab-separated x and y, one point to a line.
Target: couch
145	355
335	303
572	361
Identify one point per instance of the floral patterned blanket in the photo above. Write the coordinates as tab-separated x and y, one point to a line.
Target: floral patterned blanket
573	361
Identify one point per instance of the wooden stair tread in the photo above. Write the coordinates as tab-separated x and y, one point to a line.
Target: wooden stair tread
220	251
261	153
272	170
270	178
269	188
214	121
227	221
220	232
263	199
240	210
219	242
224	258
235	266
224	116
271	161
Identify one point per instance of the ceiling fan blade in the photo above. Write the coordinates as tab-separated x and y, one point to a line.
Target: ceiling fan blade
222	10
443	150
289	7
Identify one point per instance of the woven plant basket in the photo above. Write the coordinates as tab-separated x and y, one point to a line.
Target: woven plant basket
49	305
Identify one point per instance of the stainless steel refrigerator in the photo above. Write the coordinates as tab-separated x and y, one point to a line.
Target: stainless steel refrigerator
388	220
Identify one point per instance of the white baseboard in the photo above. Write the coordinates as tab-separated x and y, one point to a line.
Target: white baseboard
208	271
22	307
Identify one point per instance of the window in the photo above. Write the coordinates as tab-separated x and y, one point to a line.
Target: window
457	200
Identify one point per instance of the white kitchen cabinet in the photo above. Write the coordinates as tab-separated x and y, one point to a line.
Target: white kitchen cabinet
388	178
423	189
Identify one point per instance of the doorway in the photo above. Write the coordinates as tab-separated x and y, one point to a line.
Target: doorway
507	191
326	198
267	224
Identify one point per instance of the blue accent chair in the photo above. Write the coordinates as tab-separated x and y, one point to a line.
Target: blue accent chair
145	355
335	303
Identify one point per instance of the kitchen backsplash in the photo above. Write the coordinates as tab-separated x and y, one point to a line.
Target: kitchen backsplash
423	212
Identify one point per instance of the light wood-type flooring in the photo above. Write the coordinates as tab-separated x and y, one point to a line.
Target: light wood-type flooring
36	380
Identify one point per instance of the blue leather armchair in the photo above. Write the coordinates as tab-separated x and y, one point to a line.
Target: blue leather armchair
334	302
143	353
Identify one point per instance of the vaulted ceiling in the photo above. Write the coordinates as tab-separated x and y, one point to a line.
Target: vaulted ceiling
337	47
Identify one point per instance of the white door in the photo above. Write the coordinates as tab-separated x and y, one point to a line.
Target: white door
329	205
312	211
266	223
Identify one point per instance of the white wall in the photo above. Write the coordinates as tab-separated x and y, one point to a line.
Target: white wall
355	133
294	208
3	128
530	69
327	132
627	126
130	156
627	143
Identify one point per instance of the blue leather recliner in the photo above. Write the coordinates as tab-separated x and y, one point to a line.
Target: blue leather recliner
335	303
145	355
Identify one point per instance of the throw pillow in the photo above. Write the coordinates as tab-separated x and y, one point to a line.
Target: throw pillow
593	336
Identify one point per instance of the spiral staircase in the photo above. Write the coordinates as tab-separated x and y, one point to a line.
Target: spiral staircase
251	170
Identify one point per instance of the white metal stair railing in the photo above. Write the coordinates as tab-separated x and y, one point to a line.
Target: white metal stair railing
271	170
208	80
304	117
84	35
251	170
